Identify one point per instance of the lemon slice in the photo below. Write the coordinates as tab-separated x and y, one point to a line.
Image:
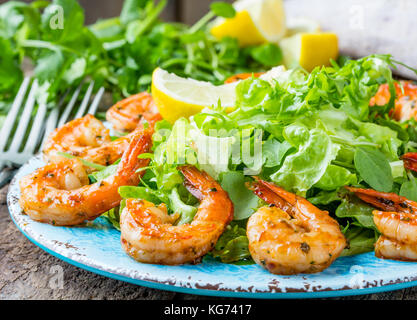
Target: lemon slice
178	97
301	25
256	22
309	50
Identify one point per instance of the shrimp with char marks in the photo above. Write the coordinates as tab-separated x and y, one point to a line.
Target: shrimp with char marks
291	235
148	233
126	114
89	139
59	193
397	223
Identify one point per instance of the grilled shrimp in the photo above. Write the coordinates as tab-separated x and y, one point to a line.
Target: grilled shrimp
397	222
126	114
148	233
88	138
58	193
405	104
291	235
85	138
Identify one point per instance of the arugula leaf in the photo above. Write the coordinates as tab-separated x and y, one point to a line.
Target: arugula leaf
113	216
84	162
100	175
359	240
409	189
144	193
374	168
352	207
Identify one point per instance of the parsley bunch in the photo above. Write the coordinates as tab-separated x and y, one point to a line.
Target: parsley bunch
119	53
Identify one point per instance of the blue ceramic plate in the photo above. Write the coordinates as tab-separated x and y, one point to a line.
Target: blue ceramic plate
96	247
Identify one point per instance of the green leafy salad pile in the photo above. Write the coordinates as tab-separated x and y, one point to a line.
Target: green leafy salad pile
118	53
318	134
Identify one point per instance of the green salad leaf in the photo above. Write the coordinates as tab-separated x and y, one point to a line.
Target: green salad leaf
274	151
361	212
374	168
232	245
243	199
335	177
359	240
268	54
409	189
317	132
301	170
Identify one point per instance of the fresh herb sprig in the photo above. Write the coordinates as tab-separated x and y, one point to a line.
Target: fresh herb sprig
119	53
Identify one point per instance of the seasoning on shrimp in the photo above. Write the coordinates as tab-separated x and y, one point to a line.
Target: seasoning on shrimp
86	138
126	114
292	236
397	223
58	193
89	139
148	233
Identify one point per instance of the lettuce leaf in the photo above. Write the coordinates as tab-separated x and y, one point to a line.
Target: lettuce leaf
233	245
359	240
336	177
301	170
244	200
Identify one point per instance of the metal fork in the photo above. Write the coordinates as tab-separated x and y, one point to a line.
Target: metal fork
20	149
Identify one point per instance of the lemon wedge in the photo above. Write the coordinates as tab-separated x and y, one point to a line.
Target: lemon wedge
309	50
178	97
255	22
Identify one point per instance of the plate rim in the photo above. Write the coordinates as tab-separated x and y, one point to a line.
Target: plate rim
197	291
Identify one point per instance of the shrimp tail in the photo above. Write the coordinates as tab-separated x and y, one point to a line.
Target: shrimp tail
197	182
273	194
384	200
267	194
410	161
141	142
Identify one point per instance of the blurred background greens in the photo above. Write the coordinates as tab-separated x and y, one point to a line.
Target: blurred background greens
119	52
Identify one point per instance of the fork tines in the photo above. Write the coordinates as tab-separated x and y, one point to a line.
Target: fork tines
28	122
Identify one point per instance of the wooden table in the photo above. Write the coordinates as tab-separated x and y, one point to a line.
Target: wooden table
25	273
